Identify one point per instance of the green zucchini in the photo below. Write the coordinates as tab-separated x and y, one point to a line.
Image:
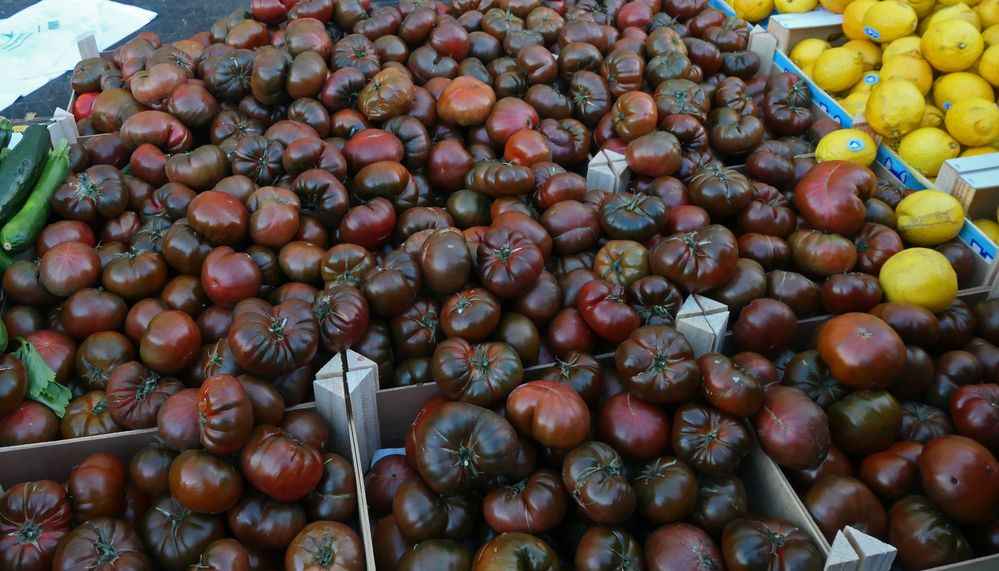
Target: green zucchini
20	232
21	169
6	261
6	128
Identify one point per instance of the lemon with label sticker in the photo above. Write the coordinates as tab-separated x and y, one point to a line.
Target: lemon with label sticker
952	45
889	20
851	145
988	66
837	69
853	19
958	85
866	83
910	67
868	50
795	6
973	121
895	107
920	276
926	148
753	10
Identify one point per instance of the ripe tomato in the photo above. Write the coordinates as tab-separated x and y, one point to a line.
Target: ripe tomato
325	544
225	414
204	483
551	413
34	518
534	505
278	465
862	351
96	487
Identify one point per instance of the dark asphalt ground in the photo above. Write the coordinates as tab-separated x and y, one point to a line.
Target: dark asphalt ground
177	19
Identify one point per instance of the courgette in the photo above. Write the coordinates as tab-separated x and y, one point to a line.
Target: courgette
6	128
23	228
21	169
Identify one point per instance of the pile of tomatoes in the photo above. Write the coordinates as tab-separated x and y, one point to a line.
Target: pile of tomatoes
410	182
226	486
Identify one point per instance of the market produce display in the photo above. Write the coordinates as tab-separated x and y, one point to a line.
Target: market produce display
410	182
923	75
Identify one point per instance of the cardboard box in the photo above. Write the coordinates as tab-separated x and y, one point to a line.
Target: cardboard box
974	182
790	29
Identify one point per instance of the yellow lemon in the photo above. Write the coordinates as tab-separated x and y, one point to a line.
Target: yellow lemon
976	151
807	51
926	148
956	86
853	19
795	6
952	2
974	121
922	7
920	276
753	10
851	145
908	45
988	66
895	107
929	217
932	117
837	69
990	35
955	12
911	68
988	12
868	50
835	5
952	45
988	227
866	83
889	20
855	103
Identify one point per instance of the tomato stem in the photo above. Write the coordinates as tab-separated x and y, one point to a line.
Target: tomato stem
29	532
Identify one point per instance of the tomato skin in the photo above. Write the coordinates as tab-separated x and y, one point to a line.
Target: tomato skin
865	422
83	105
280	466
681	546
135	394
204	483
447	431
149	469
82	547
39	512
607	496
482	374
88	415
550	413
960	477
837	501
768	543
924	537
536	504
325	537
170	343
225	415
639	430
274	340
96	487
604	309
224	555
729	387
793	429
264	522
174	536
862	351
603	547
13	384
656	364
229	277
975	410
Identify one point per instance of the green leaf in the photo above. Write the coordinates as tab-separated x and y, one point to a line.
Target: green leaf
42	385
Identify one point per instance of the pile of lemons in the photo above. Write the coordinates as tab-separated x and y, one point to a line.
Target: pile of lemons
922	72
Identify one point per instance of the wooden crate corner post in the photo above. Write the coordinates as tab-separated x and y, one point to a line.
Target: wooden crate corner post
608	170
842	556
330	387
875	555
703	322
